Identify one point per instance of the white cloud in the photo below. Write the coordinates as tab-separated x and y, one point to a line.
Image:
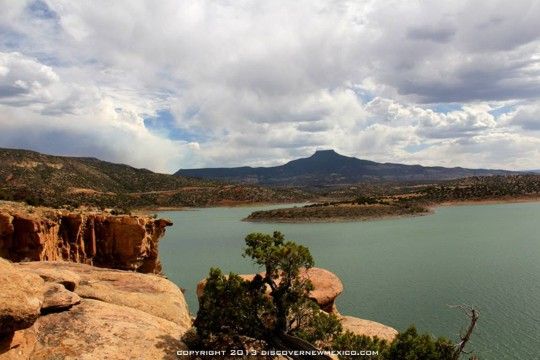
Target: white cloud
263	82
24	81
527	117
38	110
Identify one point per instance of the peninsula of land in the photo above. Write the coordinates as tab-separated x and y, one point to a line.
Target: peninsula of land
399	201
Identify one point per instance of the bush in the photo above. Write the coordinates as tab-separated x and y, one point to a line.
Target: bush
366	200
350	341
409	345
231	306
319	327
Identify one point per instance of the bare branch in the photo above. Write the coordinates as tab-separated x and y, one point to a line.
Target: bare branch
473	314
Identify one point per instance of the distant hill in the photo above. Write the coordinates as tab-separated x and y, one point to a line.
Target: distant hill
57	180
326	167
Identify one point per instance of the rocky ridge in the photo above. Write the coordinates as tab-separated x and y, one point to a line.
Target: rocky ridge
55	181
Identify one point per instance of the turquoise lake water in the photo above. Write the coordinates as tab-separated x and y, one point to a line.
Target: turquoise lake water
397	271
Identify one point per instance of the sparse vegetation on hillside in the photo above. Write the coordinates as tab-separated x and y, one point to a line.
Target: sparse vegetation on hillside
55	181
486	187
338	211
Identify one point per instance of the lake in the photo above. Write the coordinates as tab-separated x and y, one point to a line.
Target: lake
396	271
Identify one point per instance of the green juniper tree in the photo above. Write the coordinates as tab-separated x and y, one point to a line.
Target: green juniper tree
282	261
274	309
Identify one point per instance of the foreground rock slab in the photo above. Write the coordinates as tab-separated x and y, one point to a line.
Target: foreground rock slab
152	294
98	330
106	314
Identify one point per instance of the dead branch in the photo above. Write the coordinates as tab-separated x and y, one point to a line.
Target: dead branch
473	315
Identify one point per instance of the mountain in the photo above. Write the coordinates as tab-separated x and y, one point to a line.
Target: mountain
326	167
58	180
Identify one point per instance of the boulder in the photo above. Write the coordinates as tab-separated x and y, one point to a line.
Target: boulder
368	328
326	287
21	298
57	298
53	274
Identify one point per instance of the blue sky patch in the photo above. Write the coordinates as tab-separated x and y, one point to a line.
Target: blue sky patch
413	148
40	9
445	108
502	110
164	124
10	40
364	95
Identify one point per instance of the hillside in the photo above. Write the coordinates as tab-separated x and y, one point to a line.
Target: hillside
57	180
327	167
484	188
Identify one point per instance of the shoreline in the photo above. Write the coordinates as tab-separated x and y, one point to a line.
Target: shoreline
239	204
515	200
337	219
432	208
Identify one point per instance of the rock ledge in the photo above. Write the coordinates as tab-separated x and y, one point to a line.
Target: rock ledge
106	314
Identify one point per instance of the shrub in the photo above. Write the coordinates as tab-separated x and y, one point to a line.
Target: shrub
409	345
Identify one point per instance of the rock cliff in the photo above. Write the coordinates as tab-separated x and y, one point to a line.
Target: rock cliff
62	310
90	237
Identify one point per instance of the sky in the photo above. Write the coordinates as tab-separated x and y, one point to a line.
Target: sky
175	84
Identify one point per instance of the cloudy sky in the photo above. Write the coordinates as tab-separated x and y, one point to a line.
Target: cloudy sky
178	84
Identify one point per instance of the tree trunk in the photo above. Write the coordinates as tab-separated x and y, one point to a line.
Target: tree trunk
282	341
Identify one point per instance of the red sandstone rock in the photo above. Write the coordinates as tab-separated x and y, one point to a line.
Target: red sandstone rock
97	330
21	298
57	298
368	328
152	294
96	238
110	314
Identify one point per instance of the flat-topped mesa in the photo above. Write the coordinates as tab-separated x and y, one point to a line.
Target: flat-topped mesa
125	242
